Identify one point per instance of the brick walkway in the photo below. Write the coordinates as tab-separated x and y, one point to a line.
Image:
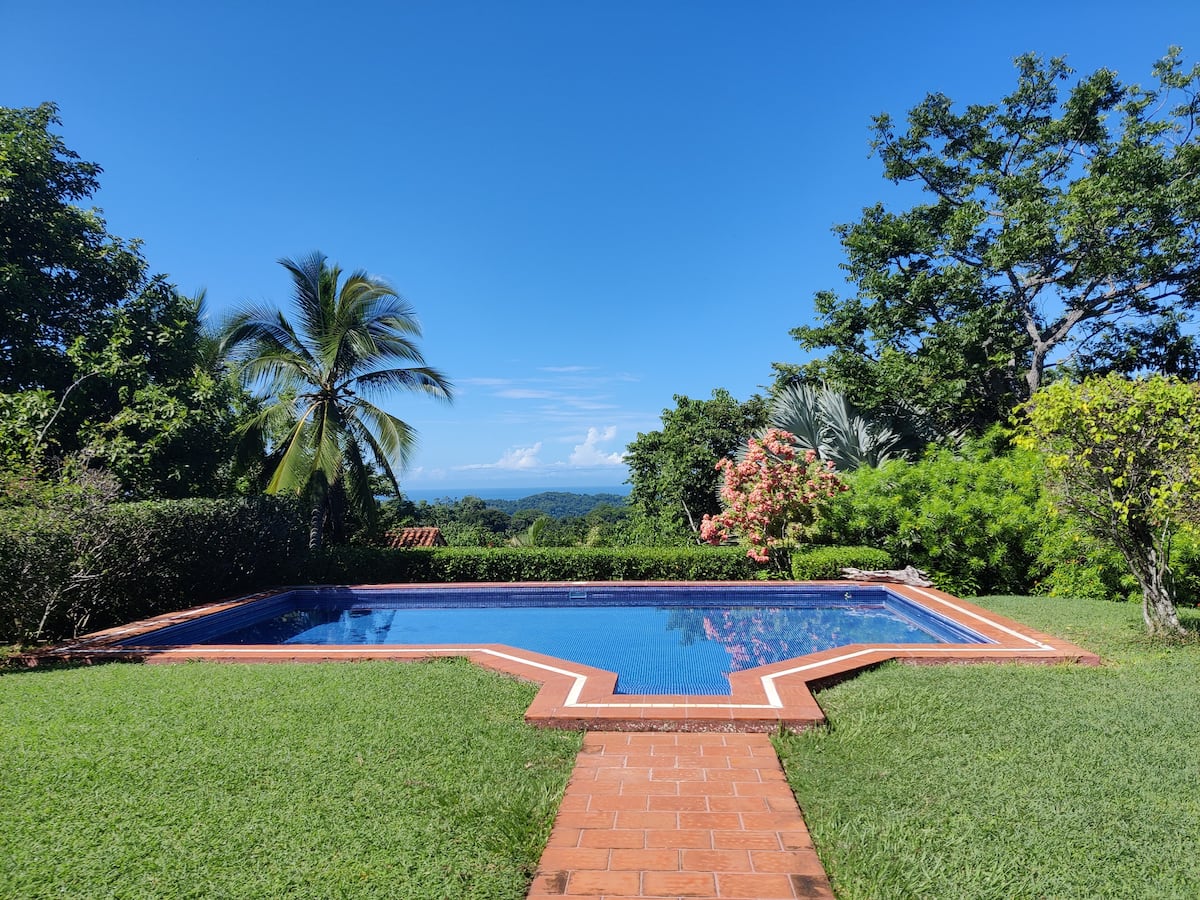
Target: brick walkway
673	815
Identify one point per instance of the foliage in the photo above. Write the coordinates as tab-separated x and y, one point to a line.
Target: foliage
995	781
78	562
1124	456
572	520
825	563
318	380
1054	227
972	517
60	269
557	504
367	565
823	420
769	496
349	780
163	413
672	469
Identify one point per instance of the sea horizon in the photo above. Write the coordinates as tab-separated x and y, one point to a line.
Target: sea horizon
506	492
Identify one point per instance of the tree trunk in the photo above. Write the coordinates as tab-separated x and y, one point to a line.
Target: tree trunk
337	512
1157	582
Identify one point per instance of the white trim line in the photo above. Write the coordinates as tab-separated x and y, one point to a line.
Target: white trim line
984	619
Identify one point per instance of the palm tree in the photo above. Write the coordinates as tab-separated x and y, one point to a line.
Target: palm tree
354	341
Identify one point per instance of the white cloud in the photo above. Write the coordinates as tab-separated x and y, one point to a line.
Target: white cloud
589	454
516	459
524	394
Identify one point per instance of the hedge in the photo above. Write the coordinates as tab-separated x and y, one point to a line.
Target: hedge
74	566
823	563
368	565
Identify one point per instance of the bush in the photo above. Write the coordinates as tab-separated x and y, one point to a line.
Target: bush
78	564
1079	565
824	563
973	519
366	565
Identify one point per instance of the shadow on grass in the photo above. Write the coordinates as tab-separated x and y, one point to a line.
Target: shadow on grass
19	660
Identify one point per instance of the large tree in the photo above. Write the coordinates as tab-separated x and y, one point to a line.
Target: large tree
60	269
674	470
1057	228
352	342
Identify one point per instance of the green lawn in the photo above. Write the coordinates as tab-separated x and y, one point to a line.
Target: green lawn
420	780
1010	781
359	780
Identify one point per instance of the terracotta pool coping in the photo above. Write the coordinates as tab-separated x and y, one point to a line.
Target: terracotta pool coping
574	696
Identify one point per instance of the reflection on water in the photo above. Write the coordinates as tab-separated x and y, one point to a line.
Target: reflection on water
759	636
654	649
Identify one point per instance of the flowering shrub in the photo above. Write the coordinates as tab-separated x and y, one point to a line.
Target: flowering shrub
770	494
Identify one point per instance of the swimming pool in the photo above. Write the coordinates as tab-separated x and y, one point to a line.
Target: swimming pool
660	640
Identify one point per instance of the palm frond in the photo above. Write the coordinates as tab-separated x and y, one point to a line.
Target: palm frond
296	464
797	409
391	438
357	480
422	380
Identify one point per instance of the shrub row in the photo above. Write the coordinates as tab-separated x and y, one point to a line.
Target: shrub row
973	519
73	566
367	565
823	563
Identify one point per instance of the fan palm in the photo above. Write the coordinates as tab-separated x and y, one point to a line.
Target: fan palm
823	420
354	341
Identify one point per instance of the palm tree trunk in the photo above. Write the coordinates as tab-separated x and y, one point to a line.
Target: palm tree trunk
318	493
316	524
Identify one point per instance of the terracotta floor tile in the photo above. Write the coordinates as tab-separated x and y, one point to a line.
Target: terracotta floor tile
679	884
681	838
717	861
611	838
661	859
609	884
759	887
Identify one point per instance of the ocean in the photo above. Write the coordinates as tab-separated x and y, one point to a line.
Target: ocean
504	492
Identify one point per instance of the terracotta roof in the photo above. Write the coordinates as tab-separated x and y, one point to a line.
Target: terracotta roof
415	537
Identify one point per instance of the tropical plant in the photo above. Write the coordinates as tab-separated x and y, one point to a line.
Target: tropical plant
824	421
771	495
672	469
318	381
971	516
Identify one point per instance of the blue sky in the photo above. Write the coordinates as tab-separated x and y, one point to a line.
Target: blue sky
592	206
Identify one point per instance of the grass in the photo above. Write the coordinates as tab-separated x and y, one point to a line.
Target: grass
343	780
1008	781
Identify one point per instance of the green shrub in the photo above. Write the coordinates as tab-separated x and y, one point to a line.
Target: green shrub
974	519
367	565
822	563
77	564
1079	565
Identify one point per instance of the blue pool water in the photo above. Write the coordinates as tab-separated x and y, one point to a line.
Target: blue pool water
659	640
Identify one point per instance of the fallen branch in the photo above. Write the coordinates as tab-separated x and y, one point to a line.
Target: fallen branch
907	575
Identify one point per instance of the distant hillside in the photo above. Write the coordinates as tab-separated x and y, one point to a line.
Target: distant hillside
558	504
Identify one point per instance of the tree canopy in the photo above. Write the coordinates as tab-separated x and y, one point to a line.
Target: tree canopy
1125	458
1057	228
673	470
60	269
